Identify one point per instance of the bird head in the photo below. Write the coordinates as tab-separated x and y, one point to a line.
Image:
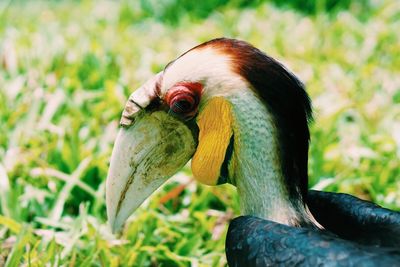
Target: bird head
205	106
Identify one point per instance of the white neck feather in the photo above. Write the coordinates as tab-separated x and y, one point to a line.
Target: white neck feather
256	166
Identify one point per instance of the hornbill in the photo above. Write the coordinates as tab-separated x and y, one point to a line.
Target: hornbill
242	118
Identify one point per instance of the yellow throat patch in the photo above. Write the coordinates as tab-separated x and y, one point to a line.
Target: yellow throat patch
215	125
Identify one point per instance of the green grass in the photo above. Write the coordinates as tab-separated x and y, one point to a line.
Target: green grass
66	69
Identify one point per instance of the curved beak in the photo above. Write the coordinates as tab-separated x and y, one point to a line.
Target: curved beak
145	154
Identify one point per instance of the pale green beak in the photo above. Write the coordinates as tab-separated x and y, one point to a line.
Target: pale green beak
145	155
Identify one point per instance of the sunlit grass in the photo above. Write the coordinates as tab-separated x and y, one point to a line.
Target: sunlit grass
66	70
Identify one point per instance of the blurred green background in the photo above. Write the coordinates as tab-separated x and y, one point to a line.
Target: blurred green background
67	68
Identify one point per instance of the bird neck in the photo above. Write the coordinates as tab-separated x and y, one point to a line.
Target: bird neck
256	167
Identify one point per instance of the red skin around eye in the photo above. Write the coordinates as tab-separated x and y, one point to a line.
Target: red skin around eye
191	92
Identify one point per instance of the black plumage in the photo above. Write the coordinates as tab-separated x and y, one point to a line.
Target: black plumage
355	219
256	242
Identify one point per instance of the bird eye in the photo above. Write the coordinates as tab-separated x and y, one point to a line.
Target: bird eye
182	103
183	99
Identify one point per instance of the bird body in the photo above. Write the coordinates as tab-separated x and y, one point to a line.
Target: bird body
357	233
252	241
243	119
354	219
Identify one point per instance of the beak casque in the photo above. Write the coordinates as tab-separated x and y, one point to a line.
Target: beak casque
145	154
